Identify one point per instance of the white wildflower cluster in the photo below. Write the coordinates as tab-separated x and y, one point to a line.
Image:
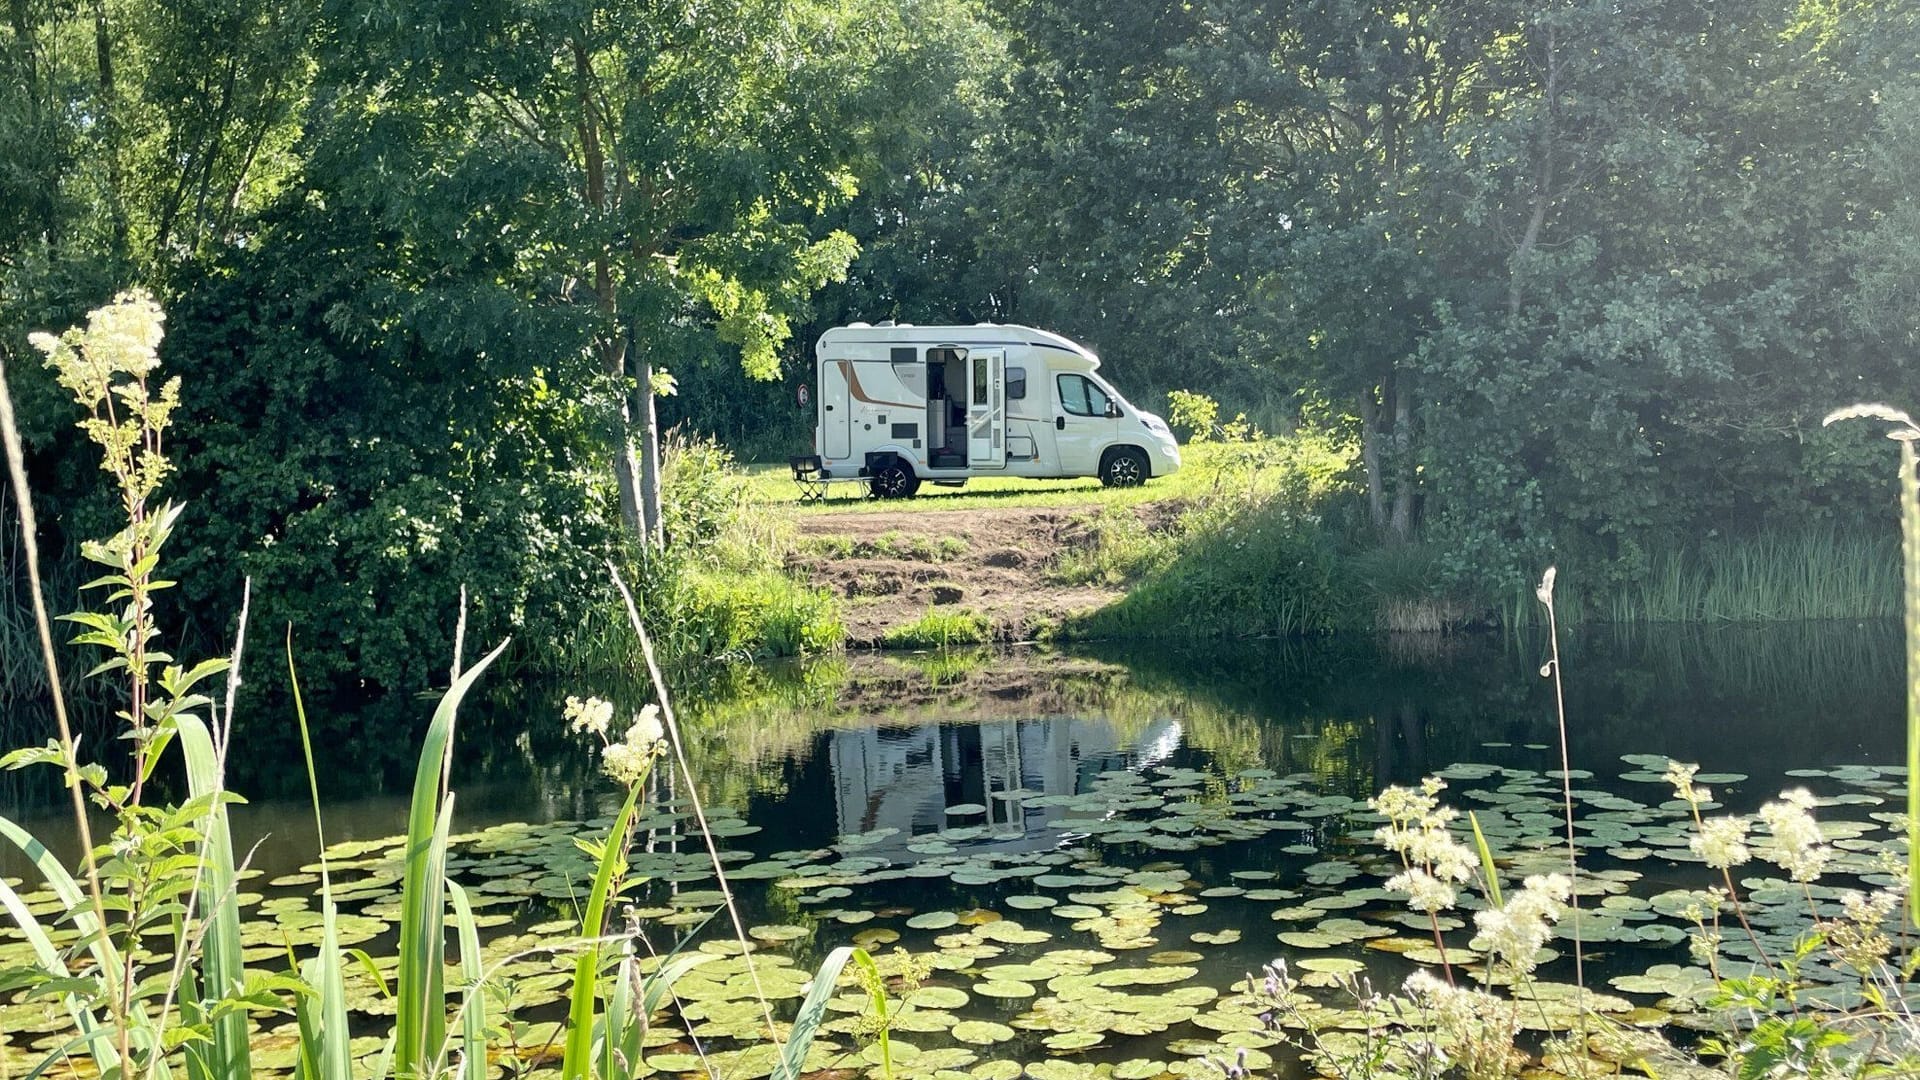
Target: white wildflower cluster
121	338
1703	941
1722	842
1424	891
1858	938
591	715
1517	930
627	761
1681	777
1794	841
1472	1029
1416	830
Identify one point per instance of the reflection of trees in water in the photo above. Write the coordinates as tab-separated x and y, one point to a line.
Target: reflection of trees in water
1743	698
1357	713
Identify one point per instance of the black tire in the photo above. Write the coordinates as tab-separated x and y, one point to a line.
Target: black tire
894	480
1124	467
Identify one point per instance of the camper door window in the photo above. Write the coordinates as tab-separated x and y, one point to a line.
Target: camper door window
1079	396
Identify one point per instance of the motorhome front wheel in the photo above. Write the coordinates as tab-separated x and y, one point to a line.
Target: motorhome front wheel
1125	467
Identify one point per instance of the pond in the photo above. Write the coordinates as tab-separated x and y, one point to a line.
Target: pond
1082	853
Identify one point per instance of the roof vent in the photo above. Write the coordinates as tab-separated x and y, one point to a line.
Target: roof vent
885	322
859	326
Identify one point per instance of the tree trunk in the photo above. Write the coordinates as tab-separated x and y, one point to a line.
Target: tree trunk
650	521
1401	525
109	128
1542	181
626	470
1370	457
638	511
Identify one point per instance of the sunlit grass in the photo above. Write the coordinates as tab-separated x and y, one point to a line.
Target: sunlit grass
939	628
773	486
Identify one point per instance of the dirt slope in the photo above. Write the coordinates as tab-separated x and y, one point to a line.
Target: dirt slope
892	567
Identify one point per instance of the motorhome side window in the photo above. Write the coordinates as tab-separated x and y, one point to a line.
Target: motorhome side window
1016	383
1080	397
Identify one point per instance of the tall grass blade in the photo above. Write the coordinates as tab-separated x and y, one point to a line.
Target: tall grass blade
420	1021
1910	550
473	1012
105	956
1486	860
325	1051
813	1012
877	997
49	957
619	1051
222	969
577	1061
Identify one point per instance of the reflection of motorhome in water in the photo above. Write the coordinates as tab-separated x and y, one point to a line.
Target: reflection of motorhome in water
899	405
903	779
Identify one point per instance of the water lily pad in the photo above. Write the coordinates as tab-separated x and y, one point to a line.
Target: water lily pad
982	1033
937	998
1004	988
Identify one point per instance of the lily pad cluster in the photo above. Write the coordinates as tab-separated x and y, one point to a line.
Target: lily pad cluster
1104	930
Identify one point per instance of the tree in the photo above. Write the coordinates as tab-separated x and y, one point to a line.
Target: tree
659	168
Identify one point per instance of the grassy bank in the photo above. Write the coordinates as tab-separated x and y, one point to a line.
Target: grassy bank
1268	538
1273	551
719	591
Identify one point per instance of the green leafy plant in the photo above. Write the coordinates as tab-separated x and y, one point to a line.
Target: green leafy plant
165	869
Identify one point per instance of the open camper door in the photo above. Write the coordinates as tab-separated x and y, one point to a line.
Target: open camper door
836	421
987	409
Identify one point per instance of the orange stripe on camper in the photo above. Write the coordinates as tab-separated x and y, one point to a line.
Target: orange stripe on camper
860	393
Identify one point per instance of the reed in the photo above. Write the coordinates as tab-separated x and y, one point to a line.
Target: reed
1777	575
1905	432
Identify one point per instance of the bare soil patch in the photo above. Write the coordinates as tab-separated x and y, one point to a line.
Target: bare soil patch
891	567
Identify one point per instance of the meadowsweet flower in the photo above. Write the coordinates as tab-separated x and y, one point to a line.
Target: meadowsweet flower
121	338
1722	843
1423	984
1858	938
1467	1028
1424	891
1794	841
1703	946
646	729
1416	830
628	760
591	715
1518	929
1681	777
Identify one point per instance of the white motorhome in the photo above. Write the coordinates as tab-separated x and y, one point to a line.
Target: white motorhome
901	404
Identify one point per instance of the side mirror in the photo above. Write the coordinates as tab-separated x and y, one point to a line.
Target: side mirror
1113	410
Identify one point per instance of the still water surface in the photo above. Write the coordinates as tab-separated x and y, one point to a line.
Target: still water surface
873	789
